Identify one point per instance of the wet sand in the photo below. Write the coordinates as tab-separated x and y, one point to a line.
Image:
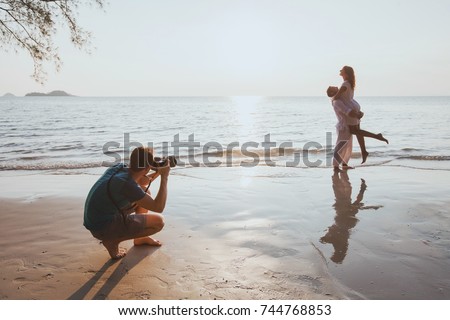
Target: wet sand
238	233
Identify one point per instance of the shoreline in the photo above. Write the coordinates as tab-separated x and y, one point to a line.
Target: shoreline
235	233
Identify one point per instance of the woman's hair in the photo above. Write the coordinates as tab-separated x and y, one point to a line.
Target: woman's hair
141	158
351	75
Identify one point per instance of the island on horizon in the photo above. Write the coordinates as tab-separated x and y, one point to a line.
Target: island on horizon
55	93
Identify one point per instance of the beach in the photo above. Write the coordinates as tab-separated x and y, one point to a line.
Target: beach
378	232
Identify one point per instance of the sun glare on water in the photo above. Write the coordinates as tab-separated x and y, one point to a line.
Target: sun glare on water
246	107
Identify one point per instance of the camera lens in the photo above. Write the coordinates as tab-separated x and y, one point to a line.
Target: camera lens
161	162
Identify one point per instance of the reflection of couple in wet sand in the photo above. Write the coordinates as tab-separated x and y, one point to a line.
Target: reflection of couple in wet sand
348	113
339	233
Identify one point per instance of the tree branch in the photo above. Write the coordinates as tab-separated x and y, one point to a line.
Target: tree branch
30	25
26	30
23	43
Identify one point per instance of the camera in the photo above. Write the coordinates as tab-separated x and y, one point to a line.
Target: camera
162	162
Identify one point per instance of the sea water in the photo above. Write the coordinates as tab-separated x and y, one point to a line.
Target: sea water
76	134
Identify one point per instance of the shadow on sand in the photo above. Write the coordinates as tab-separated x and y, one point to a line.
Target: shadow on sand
134	256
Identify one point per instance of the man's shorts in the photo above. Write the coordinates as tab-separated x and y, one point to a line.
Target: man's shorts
130	227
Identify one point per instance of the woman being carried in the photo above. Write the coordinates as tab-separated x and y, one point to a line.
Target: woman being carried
345	94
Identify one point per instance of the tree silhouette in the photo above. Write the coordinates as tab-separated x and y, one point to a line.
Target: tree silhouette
30	25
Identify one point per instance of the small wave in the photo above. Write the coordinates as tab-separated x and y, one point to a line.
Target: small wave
21	151
416	167
411	149
11	144
395	154
110	152
249	153
23	135
426	158
67	147
32	158
49	166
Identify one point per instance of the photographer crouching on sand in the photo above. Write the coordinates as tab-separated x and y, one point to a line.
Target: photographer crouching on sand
119	192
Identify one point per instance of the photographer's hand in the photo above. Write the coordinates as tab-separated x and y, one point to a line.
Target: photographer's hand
164	171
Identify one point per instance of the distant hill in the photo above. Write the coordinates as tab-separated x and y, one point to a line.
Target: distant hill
56	93
8	95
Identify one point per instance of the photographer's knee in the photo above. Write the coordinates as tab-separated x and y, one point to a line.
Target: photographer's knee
160	223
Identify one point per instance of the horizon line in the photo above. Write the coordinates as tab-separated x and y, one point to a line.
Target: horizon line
216	96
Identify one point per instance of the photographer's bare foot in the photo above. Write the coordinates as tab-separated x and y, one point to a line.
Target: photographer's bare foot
113	249
147	241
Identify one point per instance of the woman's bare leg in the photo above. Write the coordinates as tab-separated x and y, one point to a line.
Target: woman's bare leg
360	134
362	143
356	130
368	134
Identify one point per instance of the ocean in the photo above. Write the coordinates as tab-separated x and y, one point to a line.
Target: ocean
78	134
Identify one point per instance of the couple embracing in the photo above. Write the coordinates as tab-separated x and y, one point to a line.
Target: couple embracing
348	113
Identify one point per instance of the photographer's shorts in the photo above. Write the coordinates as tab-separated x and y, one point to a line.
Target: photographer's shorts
133	226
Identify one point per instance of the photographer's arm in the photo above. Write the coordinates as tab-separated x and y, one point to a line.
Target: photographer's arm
159	203
145	182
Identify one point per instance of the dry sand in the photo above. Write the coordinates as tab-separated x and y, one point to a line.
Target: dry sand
233	233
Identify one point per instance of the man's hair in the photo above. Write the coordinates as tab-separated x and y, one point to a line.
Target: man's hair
331	91
141	158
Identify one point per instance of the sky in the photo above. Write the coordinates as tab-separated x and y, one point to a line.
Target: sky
248	48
